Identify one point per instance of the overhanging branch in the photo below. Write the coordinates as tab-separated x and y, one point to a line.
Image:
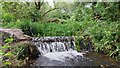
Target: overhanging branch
49	11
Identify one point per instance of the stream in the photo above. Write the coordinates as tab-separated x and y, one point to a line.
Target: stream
60	51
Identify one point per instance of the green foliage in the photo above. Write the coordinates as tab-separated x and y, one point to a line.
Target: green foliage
108	10
105	34
43	29
47	29
98	20
54	29
3	52
7	17
9	54
16	10
30	28
106	38
8	40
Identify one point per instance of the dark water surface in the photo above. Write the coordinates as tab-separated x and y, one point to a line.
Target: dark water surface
73	58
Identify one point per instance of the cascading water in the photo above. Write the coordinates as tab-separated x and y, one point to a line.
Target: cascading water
60	51
54	44
56	51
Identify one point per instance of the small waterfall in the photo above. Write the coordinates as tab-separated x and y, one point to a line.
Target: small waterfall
54	44
59	51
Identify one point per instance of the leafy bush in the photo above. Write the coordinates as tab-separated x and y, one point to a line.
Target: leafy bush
7	17
105	35
9	54
30	28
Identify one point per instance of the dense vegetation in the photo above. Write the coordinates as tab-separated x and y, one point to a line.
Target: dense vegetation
99	21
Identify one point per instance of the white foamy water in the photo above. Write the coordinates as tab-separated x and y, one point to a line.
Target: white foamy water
57	51
61	56
65	58
54	44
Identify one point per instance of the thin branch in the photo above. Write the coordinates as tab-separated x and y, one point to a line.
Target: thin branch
49	11
38	4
